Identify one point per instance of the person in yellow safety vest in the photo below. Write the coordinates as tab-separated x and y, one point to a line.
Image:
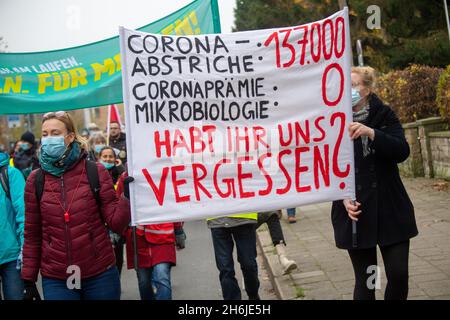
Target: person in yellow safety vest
237	229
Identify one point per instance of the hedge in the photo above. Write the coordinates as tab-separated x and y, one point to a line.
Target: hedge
411	92
443	94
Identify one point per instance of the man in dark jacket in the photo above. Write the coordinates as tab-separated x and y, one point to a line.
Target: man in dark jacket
117	140
25	158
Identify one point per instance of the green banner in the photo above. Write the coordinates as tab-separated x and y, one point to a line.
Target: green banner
89	75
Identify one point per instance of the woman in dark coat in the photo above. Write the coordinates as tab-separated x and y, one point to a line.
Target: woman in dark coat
383	210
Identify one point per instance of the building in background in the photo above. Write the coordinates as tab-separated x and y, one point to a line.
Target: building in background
12	127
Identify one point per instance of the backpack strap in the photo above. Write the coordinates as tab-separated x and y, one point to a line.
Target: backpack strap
39	182
94	180
4	179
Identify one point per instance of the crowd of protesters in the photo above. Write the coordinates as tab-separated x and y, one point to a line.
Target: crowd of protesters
65	202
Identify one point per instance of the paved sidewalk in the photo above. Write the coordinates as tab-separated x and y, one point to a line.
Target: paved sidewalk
325	272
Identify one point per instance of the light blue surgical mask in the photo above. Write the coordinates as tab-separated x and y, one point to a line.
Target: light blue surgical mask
107	165
98	147
355	97
53	146
24	146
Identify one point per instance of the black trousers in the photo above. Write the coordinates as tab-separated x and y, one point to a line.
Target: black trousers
395	259
244	237
273	222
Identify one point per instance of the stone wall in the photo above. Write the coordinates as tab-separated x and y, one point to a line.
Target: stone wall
426	126
440	151
413	166
429	145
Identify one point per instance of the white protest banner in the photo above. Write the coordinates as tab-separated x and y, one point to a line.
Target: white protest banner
222	124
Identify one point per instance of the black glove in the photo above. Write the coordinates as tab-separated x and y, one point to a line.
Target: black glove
30	292
126	189
180	238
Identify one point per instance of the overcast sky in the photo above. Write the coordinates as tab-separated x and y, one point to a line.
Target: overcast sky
39	25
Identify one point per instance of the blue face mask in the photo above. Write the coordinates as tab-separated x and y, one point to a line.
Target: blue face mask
98	147
24	146
53	146
355	97
107	165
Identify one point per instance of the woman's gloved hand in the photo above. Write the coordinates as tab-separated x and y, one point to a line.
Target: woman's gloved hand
30	292
180	238
126	184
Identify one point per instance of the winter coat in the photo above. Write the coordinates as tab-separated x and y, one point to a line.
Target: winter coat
115	173
387	212
149	254
120	143
26	161
11	214
52	243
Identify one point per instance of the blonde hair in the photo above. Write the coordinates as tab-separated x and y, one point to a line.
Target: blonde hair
70	127
368	76
96	136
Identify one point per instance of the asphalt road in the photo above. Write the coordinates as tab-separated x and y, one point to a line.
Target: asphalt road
195	277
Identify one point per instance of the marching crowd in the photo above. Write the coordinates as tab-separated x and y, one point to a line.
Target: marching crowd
65	204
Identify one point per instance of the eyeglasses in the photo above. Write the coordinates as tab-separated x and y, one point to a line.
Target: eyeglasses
57	114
